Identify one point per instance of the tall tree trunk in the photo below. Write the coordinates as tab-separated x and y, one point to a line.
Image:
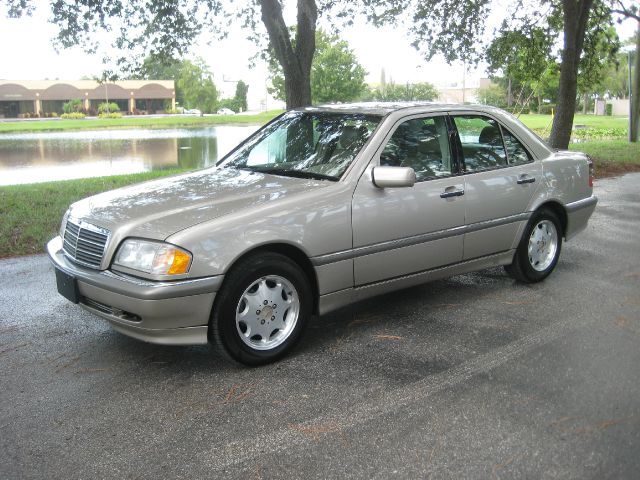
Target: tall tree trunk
585	103
634	123
539	102
575	17
295	61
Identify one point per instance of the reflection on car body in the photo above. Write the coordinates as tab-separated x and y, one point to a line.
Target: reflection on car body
320	208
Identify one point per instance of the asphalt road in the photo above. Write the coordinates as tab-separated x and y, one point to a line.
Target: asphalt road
472	377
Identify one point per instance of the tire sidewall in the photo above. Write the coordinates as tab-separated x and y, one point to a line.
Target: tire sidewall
527	269
224	313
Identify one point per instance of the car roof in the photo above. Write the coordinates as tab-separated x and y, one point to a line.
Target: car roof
385	108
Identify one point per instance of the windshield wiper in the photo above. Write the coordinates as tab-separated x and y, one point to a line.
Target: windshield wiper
295	173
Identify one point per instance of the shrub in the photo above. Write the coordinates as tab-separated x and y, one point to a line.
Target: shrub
546	108
110	115
105	107
171	111
73	116
72	106
594	133
609	109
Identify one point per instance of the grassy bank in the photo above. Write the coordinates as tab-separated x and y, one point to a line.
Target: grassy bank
31	214
611	157
167	121
541	122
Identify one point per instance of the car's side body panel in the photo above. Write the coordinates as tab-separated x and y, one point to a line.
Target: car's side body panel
386	221
495	197
333	301
316	222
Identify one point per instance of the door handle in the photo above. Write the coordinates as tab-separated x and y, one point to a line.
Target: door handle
526	179
451	193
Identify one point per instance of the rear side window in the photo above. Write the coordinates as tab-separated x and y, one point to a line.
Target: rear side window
482	146
516	152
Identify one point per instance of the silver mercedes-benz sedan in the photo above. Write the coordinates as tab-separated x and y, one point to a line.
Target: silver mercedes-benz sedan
320	208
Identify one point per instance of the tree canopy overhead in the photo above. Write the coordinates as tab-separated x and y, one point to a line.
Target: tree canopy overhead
454	28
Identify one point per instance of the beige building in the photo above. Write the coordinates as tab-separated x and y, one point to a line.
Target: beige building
45	97
459	94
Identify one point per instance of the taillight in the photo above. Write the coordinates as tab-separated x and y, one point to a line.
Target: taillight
592	171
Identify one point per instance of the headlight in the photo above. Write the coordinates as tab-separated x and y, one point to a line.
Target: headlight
153	257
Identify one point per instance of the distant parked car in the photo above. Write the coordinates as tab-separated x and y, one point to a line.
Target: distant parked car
193	111
318	209
226	111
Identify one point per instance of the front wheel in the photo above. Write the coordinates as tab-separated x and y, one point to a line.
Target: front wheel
539	250
261	310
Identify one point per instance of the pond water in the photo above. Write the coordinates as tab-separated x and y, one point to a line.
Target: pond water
44	157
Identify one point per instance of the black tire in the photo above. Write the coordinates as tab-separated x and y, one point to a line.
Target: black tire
524	268
224	331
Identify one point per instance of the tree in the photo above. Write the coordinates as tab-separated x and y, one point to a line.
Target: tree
494	95
525	53
633	12
239	101
336	75
193	80
241	95
392	92
524	57
455	28
616	78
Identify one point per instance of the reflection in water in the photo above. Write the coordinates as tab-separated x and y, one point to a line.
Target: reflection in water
41	157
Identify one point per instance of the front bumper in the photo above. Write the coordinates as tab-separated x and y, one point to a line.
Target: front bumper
168	313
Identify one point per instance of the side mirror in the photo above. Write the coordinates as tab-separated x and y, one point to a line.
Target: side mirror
393	177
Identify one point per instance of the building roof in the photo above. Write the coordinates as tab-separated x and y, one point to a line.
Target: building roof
70	89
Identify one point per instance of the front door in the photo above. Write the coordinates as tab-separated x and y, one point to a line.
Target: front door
400	231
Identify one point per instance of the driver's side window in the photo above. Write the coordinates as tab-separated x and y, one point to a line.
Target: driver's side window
422	144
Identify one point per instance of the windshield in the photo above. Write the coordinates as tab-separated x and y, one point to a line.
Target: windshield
302	144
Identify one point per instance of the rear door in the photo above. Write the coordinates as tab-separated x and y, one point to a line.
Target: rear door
400	231
500	178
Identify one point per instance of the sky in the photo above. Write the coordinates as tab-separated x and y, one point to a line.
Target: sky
27	54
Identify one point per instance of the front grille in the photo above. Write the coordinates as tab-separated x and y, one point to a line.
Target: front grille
84	243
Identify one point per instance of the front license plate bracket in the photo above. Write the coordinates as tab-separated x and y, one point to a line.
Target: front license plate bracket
67	286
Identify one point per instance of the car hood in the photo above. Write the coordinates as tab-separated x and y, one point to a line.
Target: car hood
160	208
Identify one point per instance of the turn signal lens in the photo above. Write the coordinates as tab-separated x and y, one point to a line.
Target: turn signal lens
592	172
180	264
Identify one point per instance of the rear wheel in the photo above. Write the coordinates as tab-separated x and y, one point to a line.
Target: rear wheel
539	250
261	310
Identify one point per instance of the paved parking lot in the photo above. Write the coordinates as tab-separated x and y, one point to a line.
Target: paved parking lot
472	377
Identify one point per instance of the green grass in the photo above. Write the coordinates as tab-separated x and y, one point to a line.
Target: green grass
611	157
610	150
134	122
31	214
541	122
